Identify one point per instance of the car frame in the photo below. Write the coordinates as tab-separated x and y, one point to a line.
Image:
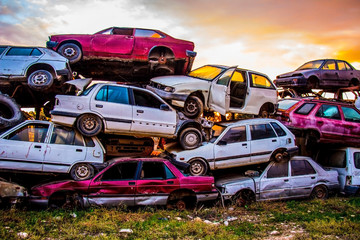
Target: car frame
233	146
43	147
308	180
125	110
218	88
40	67
145	181
322	73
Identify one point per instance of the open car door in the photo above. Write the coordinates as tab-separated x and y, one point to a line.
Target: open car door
219	97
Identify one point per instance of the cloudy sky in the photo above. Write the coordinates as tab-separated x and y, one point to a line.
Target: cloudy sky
270	36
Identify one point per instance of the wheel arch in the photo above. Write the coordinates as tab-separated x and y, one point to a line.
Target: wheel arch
203	159
168	51
198	94
80	161
188	124
183	193
354	81
69	41
248	190
268	105
38	66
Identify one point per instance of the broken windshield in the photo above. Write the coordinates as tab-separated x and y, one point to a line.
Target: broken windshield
207	72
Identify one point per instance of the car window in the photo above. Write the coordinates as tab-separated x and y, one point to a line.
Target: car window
286	104
113	94
305	109
146	99
341	65
357	160
328	111
238	77
329	65
35	132
87	90
122	31
260	81
301	167
19	51
332	158
168	173
67	136
311	65
261	131
206	72
235	134
225	78
279	131
153	170
350	114
35	52
216	131
2	49
120	171
348	67
148	33
278	170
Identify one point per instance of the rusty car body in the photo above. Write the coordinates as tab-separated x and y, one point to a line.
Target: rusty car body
300	177
321	121
161	51
320	74
11	193
129	181
218	88
43	147
240	143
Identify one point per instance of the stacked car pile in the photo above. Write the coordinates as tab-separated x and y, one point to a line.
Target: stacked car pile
170	108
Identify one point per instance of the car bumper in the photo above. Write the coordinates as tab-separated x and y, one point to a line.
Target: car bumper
51	44
293	151
167	95
41	202
290	81
207	196
351	190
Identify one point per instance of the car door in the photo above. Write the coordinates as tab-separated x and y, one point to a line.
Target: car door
113	104
346	73
354	169
274	182
17	59
152	115
329	74
24	148
115	186
232	149
303	178
328	121
263	142
155	183
120	41
65	148
351	124
219	97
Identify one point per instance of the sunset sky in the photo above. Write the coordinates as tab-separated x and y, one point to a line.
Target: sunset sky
270	36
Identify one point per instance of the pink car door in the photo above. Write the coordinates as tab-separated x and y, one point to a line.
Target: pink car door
120	41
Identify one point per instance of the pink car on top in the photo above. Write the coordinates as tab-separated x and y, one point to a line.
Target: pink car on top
129	182
126	44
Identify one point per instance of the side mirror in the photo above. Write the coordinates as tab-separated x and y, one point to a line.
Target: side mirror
164	107
222	143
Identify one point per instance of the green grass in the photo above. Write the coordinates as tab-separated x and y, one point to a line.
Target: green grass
335	218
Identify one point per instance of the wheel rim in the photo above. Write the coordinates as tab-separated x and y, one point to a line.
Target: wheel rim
180	205
82	171
39	78
89	123
320	193
197	168
69	52
191	107
191	139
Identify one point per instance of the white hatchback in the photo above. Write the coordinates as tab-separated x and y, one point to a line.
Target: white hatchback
240	143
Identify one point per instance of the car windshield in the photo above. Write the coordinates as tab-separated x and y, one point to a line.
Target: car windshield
286	104
311	65
216	131
207	73
87	91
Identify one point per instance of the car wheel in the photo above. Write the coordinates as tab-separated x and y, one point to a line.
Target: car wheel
89	125
180	205
10	113
320	192
244	198
82	171
71	51
312	83
198	167
66	200
193	107
264	112
190	138
40	80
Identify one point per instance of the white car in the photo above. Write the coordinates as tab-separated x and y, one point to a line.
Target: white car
218	88
125	110
43	147
240	143
298	178
40	67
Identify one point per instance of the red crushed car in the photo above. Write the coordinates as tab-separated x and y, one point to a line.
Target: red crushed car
129	182
321	121
127	44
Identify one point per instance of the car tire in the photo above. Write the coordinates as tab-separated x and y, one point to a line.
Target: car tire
190	138
82	171
180	205
71	51
40	80
320	192
193	107
198	167
264	112
89	125
66	200
10	113
244	198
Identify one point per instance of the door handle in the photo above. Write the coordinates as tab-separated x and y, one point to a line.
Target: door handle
274	140
140	111
312	177
170	182
244	144
37	146
99	106
79	150
286	180
131	183
320	122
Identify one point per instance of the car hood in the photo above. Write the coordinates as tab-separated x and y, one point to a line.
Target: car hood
234	179
299	72
173	81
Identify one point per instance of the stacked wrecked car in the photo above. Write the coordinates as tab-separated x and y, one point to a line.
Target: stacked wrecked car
219	131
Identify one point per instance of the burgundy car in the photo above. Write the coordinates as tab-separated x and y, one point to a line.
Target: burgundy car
127	44
129	182
321	121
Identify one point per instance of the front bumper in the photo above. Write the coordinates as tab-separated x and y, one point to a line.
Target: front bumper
167	95
290	82
37	201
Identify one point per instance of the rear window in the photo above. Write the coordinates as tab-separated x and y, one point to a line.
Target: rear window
285	105
305	109
261	131
280	132
357	160
350	114
336	159
2	49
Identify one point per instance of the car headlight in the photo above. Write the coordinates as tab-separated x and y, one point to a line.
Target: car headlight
169	89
